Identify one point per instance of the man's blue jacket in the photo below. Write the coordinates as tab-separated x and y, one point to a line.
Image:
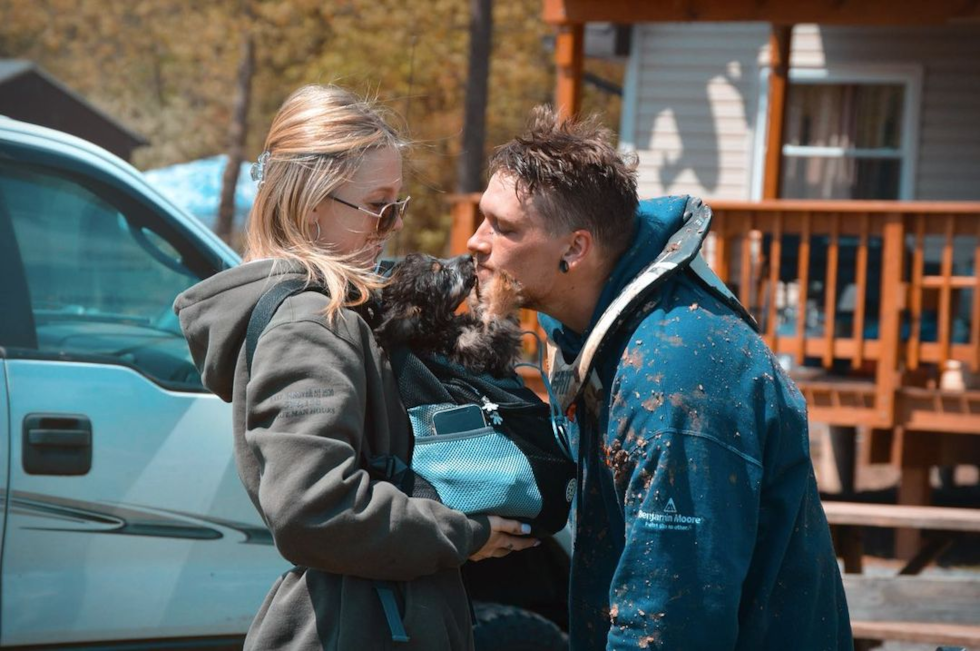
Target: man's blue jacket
698	524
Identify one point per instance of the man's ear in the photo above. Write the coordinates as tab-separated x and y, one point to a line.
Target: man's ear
581	246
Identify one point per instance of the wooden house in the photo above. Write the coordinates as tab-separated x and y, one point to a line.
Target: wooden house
838	143
31	94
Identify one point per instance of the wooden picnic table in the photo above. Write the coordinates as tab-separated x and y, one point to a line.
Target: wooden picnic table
907	607
848	517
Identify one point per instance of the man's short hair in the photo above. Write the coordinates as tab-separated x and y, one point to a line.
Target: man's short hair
574	177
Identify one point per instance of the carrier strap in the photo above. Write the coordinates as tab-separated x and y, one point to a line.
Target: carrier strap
390	605
264	310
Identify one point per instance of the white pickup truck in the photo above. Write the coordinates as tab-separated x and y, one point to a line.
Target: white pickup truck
124	522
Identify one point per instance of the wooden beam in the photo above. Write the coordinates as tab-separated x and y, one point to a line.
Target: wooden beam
946	292
914	488
909	598
848	206
886	376
803	274
825	12
932	632
975	319
780	40
918	268
861	275
775	261
830	291
940	518
569	57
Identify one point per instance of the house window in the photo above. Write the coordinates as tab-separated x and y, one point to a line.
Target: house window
848	136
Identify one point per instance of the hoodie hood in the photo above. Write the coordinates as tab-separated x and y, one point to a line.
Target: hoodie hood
656	220
214	316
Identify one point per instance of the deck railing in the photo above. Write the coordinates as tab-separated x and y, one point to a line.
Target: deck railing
862	298
857	288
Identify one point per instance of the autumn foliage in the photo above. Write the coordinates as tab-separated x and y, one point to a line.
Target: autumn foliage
167	69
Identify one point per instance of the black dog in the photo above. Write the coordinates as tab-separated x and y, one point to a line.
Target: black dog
418	310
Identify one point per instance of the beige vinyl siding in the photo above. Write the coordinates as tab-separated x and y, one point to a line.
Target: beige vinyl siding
693	94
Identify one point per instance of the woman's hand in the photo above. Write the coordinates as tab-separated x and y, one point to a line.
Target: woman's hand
506	536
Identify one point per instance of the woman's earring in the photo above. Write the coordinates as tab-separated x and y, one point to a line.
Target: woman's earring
563	266
317	238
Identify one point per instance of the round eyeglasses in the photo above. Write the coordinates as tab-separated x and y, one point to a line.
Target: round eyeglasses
388	215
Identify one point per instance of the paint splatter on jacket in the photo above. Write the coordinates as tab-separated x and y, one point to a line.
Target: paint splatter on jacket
698	523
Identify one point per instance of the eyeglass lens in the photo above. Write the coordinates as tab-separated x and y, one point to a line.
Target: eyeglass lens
389	215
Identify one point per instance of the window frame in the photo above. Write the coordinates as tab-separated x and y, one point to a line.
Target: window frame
908	76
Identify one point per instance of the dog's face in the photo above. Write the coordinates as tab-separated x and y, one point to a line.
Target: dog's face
419	310
430	285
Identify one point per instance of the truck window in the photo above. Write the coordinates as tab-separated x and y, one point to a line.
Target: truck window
101	281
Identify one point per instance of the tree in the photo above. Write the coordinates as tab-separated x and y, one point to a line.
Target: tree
239	126
470	168
166	68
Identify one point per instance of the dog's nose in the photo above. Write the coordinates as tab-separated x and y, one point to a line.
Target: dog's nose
462	261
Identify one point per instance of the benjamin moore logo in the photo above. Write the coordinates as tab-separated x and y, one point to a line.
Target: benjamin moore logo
670	519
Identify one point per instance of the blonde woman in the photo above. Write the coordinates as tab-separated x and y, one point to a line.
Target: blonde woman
321	400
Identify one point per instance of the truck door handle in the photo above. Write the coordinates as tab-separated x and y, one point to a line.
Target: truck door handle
57	444
69	438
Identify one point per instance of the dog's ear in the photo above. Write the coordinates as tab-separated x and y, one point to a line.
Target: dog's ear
401	326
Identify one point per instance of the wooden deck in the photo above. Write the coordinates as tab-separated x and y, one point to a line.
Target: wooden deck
870	301
881	296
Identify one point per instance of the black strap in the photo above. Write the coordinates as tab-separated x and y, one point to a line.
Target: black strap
266	308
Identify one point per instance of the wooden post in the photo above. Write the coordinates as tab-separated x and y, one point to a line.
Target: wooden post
780	42
890	323
830	291
913	486
843	445
975	320
946	292
803	273
569	57
466	219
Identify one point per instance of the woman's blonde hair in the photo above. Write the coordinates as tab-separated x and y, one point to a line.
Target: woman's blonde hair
316	142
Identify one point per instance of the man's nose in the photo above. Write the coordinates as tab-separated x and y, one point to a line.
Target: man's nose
479	243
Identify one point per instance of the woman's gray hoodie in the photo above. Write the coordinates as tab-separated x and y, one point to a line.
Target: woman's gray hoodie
322	400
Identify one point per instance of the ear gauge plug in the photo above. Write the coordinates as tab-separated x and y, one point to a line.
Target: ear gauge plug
563	266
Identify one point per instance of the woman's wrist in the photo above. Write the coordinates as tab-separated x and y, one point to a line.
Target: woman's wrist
480	528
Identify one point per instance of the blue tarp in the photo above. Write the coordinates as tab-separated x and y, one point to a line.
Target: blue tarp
196	187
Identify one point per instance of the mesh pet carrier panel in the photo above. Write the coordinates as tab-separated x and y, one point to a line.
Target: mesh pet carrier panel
481	471
517	464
